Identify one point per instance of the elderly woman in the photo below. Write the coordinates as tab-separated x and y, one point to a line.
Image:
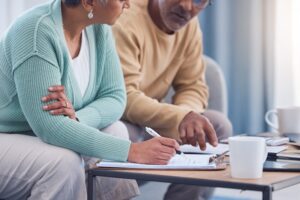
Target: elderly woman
65	42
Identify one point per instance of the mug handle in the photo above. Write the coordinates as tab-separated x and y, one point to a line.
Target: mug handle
266	154
267	118
264	158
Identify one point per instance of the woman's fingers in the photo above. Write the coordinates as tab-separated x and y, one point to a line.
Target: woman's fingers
60	105
165	148
57	88
154	151
57	92
164	157
55	105
62	111
59	96
168	142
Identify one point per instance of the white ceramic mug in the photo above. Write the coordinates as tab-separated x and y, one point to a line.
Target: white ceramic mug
247	156
284	120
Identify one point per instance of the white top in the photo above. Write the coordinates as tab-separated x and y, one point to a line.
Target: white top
81	64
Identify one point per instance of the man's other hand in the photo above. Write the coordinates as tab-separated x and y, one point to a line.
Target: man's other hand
195	128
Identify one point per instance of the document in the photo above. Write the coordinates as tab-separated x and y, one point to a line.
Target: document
179	161
276	149
289	154
221	148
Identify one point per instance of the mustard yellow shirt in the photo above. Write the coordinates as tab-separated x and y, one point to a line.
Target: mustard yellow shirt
154	61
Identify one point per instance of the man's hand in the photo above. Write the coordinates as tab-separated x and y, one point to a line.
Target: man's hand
157	151
195	128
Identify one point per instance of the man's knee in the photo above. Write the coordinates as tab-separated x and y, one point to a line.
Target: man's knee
191	192
221	123
117	129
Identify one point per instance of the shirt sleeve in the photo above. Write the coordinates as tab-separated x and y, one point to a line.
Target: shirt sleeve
32	78
110	101
191	91
141	109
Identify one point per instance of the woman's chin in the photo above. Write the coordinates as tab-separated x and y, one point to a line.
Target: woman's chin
111	22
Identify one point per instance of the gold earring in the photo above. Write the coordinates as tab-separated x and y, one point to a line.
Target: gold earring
91	14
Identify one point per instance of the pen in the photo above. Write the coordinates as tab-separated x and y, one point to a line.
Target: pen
153	133
218	158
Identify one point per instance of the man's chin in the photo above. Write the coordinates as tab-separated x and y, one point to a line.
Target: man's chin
176	27
175	23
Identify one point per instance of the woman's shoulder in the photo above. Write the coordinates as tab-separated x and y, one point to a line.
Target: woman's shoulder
29	20
29	33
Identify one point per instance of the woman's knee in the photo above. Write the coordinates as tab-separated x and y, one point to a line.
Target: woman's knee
63	166
69	162
42	169
67	175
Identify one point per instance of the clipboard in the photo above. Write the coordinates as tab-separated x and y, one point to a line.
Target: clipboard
178	162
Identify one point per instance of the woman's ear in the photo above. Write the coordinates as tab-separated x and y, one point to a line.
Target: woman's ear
88	4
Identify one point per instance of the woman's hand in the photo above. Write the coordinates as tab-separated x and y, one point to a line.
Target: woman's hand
158	150
61	104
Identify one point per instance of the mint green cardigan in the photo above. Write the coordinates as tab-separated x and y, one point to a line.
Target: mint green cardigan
33	57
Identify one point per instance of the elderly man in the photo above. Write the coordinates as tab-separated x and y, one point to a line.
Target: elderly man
160	46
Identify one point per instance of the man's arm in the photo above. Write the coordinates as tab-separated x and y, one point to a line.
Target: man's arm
140	108
189	83
182	120
191	92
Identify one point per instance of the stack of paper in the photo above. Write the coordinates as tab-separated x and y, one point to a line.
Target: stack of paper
221	148
181	161
289	154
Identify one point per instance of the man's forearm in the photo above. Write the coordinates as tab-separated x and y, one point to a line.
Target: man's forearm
146	111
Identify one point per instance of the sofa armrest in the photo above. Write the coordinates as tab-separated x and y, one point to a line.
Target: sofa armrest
217	86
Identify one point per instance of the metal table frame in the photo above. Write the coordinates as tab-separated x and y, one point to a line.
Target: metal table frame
265	189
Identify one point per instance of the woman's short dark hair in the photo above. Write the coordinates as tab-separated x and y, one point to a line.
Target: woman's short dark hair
77	2
72	2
